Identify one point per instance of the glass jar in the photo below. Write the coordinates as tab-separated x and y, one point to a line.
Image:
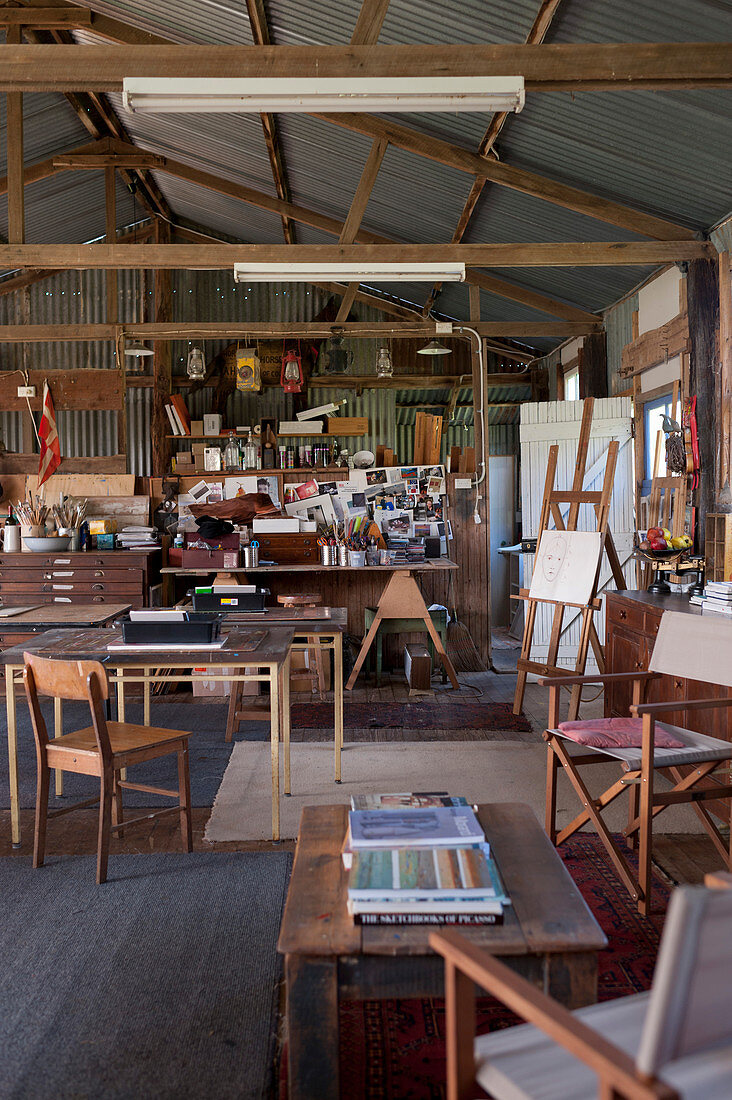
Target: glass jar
232	454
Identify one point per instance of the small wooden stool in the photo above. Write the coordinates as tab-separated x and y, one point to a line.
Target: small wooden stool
257	713
404	626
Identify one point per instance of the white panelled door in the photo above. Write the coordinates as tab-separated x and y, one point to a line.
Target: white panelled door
558	422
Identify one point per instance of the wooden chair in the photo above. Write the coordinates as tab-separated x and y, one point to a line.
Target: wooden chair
691	647
259	712
102	749
673	1043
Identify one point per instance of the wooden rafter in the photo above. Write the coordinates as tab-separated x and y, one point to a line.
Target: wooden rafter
16	177
102	25
249	195
516	179
220	256
369	23
101	121
46	17
536	35
557	67
355	216
260	34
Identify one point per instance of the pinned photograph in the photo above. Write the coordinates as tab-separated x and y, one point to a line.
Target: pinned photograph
376	477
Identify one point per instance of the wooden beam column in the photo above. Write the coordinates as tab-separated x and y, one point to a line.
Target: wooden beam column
725	357
482	509
162	364
16	181
593	366
110	206
702	288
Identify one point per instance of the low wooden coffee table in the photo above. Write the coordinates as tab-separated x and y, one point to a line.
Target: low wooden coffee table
549	936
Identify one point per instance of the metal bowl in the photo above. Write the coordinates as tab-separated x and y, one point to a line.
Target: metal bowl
43	545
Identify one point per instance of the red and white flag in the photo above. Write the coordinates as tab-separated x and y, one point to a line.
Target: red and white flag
50	458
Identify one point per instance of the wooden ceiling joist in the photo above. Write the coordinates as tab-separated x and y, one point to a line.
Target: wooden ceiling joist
95	162
203	257
557	67
46	17
152	330
112	29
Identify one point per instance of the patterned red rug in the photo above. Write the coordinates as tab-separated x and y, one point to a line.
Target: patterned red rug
396	1050
418	716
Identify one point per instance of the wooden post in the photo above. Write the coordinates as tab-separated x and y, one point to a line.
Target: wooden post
110	205
482	449
703	296
724	496
162	365
593	366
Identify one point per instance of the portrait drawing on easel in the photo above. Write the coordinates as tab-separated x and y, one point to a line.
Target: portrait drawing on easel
566	566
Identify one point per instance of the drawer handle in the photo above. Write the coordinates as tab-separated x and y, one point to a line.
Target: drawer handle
622	614
97	599
97	588
99	573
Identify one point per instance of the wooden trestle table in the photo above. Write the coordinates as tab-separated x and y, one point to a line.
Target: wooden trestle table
247	650
549	936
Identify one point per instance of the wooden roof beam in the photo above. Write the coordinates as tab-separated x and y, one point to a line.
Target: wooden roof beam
260	34
221	256
105	27
557	67
46	17
79	162
536	35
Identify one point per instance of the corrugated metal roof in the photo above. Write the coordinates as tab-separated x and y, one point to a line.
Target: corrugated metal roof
668	153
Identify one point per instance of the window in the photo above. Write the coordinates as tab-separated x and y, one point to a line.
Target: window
653	412
571	384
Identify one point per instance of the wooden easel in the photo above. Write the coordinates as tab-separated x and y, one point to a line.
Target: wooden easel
402	599
550	510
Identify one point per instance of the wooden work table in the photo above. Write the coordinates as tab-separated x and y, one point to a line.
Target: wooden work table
549	936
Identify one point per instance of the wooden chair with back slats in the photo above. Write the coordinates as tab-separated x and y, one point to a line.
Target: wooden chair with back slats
102	749
672	1043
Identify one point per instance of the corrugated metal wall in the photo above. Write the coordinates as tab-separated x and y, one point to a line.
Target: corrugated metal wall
619	326
79	297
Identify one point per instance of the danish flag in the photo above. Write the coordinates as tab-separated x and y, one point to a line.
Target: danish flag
50	458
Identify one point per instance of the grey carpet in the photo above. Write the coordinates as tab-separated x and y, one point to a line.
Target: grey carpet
163	983
209	753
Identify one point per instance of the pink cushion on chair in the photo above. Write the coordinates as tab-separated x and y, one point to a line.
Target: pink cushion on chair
617	733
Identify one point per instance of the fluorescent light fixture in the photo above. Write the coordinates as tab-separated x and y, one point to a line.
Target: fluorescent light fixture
165	95
366	272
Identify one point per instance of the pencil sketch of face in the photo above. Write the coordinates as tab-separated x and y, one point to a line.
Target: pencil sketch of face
553	557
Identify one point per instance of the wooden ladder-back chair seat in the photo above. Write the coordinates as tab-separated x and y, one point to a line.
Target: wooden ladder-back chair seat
102	749
673	1043
692	648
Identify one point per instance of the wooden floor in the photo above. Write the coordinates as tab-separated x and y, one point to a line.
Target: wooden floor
682	858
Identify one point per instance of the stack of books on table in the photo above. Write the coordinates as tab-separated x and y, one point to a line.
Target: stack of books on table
718	597
425	863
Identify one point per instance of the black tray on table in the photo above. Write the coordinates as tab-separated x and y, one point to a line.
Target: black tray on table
193	630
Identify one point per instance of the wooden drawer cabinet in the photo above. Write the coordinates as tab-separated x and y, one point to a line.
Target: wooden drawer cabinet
632	620
117	576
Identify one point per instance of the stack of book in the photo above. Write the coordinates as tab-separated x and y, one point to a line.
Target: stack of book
718	597
178	415
426	862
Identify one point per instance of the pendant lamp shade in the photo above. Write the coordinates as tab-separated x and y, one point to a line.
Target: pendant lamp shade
434	348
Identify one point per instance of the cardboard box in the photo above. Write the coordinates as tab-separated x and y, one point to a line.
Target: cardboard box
347	425
102	526
196	427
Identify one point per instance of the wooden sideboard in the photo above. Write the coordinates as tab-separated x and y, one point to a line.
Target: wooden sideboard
84	577
632	620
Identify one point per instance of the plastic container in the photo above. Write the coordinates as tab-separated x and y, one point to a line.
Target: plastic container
194	631
356	558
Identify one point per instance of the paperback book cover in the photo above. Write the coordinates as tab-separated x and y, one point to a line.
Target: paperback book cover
444	825
422	874
416	800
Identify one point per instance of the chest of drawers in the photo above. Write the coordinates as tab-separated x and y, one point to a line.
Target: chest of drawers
90	577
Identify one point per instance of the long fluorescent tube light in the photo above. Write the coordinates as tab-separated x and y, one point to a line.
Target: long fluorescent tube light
164	95
291	272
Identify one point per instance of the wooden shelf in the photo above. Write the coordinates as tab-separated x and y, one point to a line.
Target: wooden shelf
312	470
285	435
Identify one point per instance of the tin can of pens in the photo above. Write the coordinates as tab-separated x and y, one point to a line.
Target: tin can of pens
342	555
